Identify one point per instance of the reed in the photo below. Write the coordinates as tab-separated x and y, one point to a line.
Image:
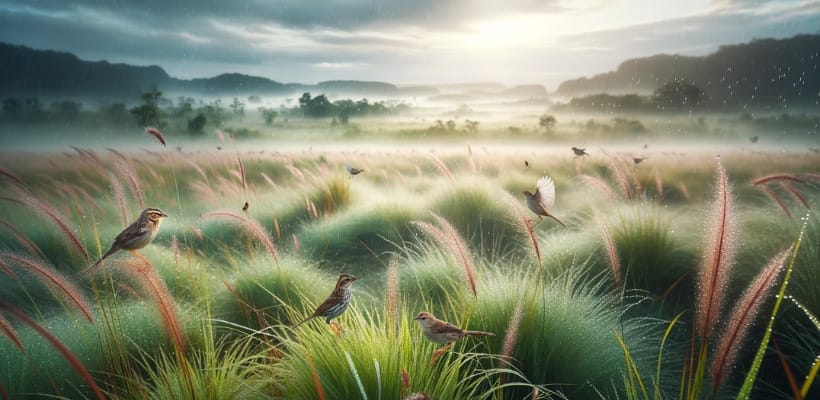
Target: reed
156	134
52	214
448	238
610	249
66	290
252	226
442	167
718	257
742	317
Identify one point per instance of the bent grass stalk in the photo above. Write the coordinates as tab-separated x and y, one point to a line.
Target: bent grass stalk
751	376
59	346
250	225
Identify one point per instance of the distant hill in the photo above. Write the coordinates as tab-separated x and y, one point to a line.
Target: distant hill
26	72
762	73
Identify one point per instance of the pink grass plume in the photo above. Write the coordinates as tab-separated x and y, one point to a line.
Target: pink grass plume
156	134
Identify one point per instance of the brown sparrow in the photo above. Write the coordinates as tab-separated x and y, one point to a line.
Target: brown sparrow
543	199
336	303
443	332
137	235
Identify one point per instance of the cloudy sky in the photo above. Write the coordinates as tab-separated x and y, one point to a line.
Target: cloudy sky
400	41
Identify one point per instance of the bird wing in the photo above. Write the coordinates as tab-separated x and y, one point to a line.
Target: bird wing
545	194
445	328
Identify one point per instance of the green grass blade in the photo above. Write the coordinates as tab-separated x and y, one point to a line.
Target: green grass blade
656	393
748	383
810	377
356	375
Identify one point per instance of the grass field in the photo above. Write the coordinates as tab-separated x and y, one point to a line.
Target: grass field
661	286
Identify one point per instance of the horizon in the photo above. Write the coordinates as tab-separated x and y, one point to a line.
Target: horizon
432	43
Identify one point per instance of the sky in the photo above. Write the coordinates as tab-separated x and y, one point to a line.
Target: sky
398	41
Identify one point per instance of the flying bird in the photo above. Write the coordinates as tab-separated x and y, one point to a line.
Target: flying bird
543	199
353	170
579	152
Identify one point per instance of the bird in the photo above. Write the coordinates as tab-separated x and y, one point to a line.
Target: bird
579	152
245	207
353	170
526	163
638	160
443	332
137	235
336	303
543	199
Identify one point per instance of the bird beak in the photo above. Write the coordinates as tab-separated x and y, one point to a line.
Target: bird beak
164	215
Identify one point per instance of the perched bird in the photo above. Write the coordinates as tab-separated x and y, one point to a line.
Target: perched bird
543	199
353	170
245	207
443	332
336	303
638	160
137	235
579	152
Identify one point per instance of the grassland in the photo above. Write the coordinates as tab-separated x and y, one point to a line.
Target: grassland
610	307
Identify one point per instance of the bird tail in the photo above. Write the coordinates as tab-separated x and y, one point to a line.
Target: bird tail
478	333
87	272
303	321
557	220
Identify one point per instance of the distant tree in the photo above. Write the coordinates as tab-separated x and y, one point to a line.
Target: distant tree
451	125
470	127
12	107
184	107
197	124
214	112
677	95
32	108
268	114
547	122
66	110
238	107
148	113
316	107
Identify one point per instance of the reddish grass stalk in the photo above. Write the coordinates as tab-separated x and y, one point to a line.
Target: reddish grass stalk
776	177
242	173
276	228
131	176
470	159
5	268
620	177
250	225
772	195
156	134
598	185
10	333
684	191
317	383
717	260
30	246
144	274
54	280
14	178
742	317
45	209
295	172
59	346
268	180
449	238
523	222
611	249
658	183
511	338
119	196
795	193
198	169
296	247
442	167
175	249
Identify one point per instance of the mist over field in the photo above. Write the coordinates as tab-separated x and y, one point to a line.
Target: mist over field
623	222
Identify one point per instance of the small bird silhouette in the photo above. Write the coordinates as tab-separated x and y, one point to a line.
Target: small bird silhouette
753	139
579	152
245	207
638	160
543	199
335	304
443	332
526	163
353	170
